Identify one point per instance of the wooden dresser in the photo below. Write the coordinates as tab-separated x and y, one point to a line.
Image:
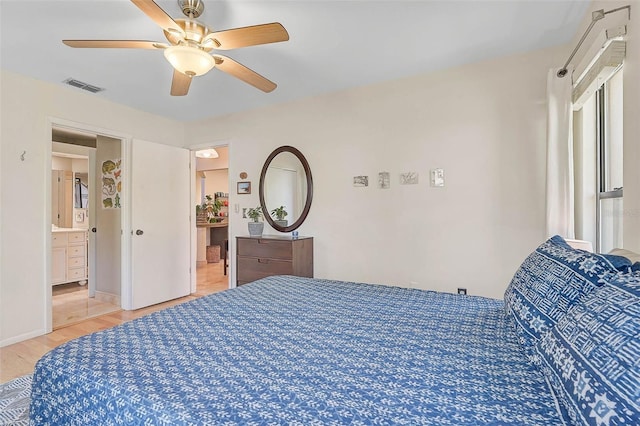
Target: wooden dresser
259	257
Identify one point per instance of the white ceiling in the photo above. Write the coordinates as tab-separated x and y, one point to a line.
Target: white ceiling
333	45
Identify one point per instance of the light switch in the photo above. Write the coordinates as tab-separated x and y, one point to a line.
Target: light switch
437	177
236	207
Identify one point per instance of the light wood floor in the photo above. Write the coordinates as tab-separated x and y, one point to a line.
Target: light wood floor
71	304
19	359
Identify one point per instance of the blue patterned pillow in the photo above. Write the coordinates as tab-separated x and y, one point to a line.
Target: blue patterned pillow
592	356
548	283
621	263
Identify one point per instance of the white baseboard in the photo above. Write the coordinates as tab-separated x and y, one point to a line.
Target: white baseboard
21	337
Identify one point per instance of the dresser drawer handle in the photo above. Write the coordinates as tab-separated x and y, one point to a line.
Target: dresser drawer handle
263	260
263	242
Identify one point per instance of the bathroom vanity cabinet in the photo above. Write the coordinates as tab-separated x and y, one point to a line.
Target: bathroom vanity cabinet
69	256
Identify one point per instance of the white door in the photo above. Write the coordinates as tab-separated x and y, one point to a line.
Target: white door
105	239
160	215
91	212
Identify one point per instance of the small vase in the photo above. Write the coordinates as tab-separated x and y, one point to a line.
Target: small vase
255	228
283	223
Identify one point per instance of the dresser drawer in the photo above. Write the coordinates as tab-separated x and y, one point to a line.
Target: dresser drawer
273	255
254	268
76	251
76	262
77	237
75	274
258	247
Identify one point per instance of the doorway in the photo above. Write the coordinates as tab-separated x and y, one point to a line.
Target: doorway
211	192
146	259
75	190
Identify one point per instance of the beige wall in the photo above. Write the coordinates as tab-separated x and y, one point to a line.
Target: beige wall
484	124
26	105
61	163
215	181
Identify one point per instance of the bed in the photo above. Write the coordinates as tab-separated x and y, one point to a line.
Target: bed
290	350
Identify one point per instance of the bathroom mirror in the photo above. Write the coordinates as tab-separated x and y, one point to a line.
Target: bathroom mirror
286	186
81	191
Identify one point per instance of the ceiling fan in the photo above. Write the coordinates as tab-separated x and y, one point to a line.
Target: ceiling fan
190	44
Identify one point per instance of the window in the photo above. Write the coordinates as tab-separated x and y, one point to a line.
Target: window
609	203
598	164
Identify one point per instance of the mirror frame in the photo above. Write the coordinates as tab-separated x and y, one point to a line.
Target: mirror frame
307	205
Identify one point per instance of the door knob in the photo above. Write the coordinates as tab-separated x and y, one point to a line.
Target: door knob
93	229
139	232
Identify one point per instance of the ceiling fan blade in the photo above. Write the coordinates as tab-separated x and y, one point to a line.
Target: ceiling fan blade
238	70
159	16
124	44
180	83
246	36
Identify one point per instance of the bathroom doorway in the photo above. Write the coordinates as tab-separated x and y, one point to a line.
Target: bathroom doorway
75	190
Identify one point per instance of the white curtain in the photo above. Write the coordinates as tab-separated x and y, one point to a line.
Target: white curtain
560	202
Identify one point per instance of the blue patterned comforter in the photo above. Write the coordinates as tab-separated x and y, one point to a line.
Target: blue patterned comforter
288	350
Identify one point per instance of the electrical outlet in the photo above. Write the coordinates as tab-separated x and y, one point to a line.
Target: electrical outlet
462	290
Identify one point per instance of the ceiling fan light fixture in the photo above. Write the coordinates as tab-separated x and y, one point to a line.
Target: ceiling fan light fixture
189	60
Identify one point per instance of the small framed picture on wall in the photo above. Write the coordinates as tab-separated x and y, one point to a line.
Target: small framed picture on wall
244	187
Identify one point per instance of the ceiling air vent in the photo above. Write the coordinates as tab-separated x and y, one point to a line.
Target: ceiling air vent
84	86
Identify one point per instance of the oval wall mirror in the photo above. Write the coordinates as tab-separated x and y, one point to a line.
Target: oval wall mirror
286	189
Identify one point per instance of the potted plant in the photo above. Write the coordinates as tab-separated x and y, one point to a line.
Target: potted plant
279	215
208	211
255	226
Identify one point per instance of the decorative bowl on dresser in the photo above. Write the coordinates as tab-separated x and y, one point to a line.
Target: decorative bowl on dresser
260	257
